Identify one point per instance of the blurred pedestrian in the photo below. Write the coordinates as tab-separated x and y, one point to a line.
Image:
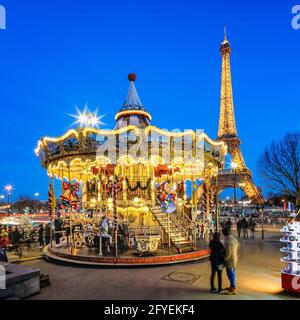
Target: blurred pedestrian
252	226
245	227
207	236
58	229
239	228
228	225
15	236
202	230
41	235
48	231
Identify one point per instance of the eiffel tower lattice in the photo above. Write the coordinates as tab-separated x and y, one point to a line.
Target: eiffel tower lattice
239	176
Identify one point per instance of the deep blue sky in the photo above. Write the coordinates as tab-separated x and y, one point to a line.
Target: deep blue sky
61	53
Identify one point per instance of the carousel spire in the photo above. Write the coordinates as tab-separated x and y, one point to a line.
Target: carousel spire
133	111
133	100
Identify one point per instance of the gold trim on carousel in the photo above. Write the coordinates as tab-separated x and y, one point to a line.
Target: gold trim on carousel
86	131
132	112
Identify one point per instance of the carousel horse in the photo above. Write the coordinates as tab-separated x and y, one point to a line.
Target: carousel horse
78	239
89	236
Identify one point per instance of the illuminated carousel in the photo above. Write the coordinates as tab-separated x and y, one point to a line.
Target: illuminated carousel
132	195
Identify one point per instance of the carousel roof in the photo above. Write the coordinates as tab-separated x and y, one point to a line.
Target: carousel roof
132	111
79	149
133	101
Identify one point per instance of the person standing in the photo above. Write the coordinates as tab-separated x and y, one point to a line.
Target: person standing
231	259
105	235
245	226
48	231
223	224
239	228
41	236
15	237
207	236
217	254
58	229
202	229
228	225
252	226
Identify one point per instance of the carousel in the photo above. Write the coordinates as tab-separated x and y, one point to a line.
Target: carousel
133	195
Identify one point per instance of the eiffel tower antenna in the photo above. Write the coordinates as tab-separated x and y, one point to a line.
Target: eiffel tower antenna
225	32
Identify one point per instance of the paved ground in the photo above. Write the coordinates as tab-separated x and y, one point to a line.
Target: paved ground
258	278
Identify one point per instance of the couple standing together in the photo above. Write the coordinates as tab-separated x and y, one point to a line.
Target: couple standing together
223	256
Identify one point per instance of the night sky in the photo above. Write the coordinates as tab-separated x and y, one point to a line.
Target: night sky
58	54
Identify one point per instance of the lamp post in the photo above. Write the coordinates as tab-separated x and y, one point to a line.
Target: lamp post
233	167
8	189
37	194
2	199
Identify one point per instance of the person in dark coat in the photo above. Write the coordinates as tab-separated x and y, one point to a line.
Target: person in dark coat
58	229
245	227
41	235
228	225
14	236
223	224
239	228
252	226
217	254
48	231
68	233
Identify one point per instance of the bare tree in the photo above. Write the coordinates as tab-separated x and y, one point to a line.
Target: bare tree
280	166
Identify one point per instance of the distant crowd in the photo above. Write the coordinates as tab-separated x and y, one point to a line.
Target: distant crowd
245	228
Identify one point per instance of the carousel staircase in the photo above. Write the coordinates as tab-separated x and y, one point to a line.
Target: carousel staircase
179	235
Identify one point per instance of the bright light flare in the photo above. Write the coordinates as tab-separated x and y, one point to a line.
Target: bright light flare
87	118
233	165
94	120
9	188
81	117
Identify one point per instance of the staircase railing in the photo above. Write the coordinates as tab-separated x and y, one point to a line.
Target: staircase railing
175	223
184	217
163	228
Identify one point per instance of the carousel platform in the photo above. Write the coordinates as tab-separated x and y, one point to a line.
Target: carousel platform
86	257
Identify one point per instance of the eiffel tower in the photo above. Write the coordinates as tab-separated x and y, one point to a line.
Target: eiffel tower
239	176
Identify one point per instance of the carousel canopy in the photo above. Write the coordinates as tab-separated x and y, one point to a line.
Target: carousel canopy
133	141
